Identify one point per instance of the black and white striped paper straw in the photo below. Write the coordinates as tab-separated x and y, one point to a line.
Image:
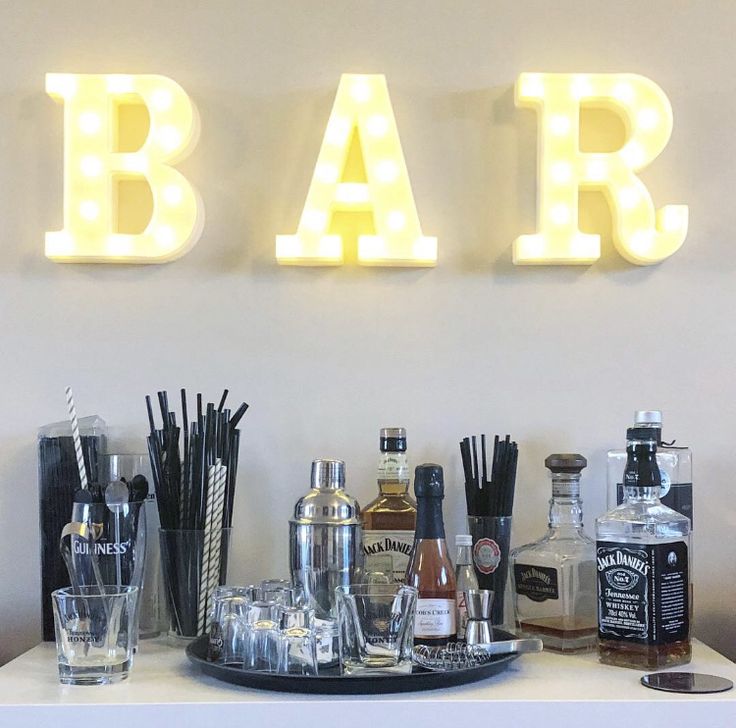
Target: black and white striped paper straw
75	437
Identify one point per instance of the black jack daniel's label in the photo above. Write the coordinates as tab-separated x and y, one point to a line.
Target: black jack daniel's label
539	583
643	592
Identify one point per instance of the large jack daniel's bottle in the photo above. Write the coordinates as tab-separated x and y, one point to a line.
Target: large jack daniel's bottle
642	561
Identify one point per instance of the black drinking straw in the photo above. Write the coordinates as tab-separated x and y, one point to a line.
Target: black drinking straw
180	478
489	496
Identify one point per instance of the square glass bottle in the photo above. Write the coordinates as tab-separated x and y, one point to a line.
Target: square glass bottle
554	577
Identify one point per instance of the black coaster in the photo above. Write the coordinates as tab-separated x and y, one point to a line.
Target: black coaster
686	682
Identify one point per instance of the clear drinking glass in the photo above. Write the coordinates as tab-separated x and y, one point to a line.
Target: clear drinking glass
376	628
106	545
378	569
297	642
228	627
191	573
95	631
262	640
328	642
152	614
491	544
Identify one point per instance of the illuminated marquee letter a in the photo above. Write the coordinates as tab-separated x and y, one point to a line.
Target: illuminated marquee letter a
362	105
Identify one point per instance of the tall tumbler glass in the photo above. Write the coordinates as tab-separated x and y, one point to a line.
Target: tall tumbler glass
491	543
106	545
152	613
191	573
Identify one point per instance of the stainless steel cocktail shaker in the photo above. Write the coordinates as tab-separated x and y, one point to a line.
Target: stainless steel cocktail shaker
325	538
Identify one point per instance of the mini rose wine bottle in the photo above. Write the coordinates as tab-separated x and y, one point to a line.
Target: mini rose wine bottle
430	570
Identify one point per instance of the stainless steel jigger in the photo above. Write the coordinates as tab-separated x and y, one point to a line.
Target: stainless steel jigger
478	603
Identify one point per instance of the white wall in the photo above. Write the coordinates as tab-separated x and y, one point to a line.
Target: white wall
559	357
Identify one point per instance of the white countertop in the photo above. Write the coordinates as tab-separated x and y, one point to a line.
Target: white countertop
165	690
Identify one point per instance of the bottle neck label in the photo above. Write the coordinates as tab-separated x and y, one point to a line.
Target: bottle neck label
393	466
429	519
643	592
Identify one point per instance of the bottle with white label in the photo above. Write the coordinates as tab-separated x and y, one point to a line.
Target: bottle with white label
389	520
465	579
643	567
430	569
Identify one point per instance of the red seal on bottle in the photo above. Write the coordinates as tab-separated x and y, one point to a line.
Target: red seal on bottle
486	555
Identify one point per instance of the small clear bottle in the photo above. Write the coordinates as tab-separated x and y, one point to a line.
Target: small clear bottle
553	578
675	467
465	579
643	565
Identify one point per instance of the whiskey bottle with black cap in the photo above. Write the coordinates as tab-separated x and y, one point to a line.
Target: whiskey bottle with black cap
389	520
643	569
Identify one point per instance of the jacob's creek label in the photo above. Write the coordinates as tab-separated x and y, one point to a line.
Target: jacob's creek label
434	618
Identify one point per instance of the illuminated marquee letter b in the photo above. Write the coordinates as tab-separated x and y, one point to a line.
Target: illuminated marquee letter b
93	165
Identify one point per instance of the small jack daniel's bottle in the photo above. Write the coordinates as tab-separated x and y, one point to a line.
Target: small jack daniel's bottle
389	520
642	561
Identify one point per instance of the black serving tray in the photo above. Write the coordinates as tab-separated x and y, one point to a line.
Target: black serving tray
331	682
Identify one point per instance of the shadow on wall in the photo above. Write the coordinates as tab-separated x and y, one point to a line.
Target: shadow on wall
20	609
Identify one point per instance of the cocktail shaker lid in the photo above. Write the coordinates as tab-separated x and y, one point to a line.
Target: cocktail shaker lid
327	502
328	474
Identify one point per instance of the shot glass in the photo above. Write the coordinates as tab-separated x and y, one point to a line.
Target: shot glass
376	628
378	569
328	642
95	633
229	627
297	642
282	592
262	640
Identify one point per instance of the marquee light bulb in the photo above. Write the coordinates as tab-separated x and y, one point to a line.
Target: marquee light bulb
173	195
386	171
89	122
89	210
559	125
90	166
161	100
396	220
647	119
377	125
360	91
